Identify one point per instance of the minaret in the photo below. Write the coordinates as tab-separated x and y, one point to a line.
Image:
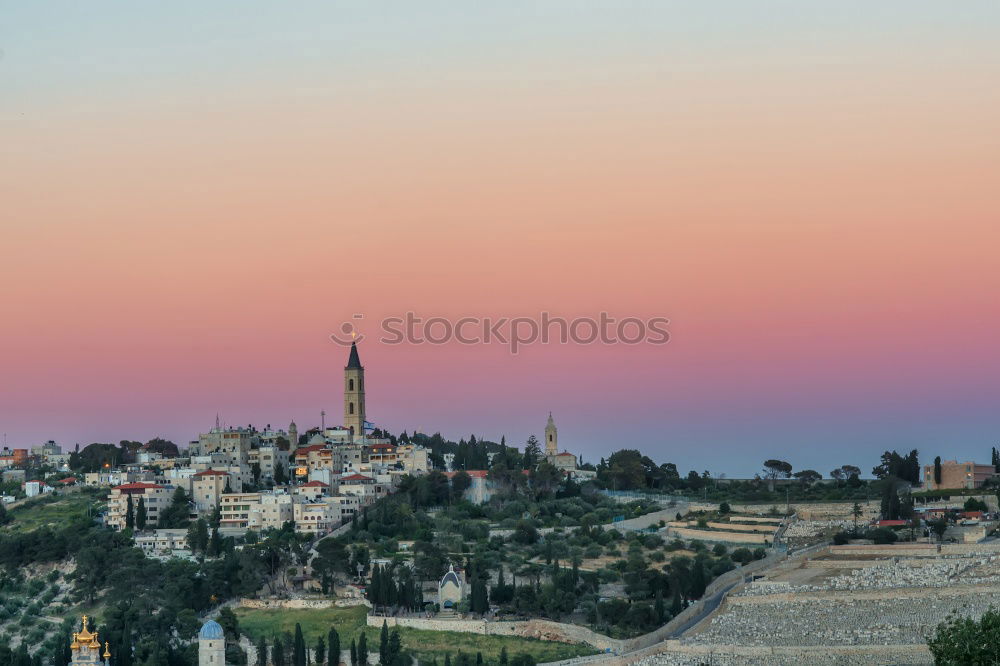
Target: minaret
551	437
354	394
211	645
293	436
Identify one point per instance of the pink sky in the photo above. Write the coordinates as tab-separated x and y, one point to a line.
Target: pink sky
819	221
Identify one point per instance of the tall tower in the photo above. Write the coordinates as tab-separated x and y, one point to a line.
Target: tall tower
354	394
211	645
293	436
551	437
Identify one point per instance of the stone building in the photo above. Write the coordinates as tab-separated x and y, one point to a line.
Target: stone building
154	497
211	645
85	650
451	589
958	475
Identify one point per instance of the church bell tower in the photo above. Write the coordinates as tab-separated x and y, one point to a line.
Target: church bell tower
354	394
551	437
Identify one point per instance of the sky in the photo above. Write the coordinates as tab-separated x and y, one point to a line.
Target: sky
194	196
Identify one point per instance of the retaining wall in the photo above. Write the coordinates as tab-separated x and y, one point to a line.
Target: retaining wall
545	630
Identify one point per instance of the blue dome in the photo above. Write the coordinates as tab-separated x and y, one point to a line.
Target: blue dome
210	630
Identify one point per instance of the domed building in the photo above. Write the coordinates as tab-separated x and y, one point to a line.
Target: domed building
211	645
86	648
450	589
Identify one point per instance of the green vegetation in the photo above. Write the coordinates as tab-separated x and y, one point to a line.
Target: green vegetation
54	510
349	622
963	641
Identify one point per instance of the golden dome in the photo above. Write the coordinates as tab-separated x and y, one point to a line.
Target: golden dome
85	636
75	645
107	650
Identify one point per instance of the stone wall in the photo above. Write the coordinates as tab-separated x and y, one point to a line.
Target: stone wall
545	630
727	537
299	603
805	510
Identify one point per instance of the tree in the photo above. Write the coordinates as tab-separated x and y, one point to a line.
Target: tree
279	474
383	645
277	653
320	651
129	512
177	514
333	647
298	647
808	476
776	469
890	501
363	649
857	512
140	515
965	641
261	651
215	547
939	527
975	504
937	471
230	624
354	653
532	453
460	482
198	536
905	467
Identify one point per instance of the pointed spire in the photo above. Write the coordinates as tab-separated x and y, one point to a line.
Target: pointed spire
354	361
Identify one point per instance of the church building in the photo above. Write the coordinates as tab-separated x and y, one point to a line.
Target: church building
86	648
564	460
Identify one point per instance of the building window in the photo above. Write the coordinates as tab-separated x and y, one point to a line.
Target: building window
350	384
350	408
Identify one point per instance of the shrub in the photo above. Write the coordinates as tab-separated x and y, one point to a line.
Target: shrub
882	535
742	555
840	538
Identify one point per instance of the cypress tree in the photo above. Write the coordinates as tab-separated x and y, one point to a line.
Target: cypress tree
383	644
140	515
320	651
395	646
262	652
129	512
299	647
215	545
277	653
354	653
503	656
333	647
363	649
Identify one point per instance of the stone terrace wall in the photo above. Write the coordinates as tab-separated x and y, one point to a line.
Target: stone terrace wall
727	537
541	629
805	510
